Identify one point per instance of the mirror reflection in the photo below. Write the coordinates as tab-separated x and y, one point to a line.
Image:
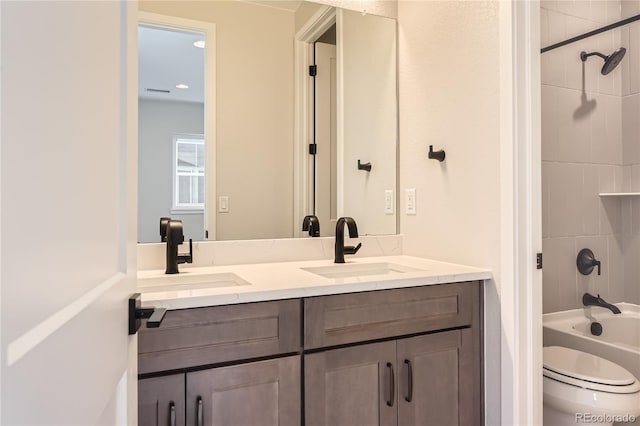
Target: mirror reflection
230	116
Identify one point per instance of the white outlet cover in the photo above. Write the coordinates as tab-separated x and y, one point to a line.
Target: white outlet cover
410	201
388	201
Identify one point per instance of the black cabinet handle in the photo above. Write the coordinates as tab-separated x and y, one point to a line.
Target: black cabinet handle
172	414
199	415
392	385
409	393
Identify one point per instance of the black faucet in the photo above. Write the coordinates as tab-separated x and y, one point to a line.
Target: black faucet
591	300
175	237
163	228
340	249
312	224
586	261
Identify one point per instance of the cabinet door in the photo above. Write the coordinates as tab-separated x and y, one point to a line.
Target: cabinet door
439	380
161	401
352	386
253	394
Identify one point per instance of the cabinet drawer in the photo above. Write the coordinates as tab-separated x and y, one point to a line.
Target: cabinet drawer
350	318
202	336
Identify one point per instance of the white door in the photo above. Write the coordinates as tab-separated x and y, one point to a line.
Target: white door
325	129
67	229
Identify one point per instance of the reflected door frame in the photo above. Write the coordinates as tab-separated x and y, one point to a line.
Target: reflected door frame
317	25
209	31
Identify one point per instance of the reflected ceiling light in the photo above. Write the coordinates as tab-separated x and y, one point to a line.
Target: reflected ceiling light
199	43
182	86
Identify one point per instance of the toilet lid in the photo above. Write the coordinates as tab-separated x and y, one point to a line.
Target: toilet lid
586	367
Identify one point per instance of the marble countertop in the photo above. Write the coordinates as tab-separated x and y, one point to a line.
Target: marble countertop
286	280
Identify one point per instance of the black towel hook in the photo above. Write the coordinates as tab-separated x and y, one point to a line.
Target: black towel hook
365	166
436	155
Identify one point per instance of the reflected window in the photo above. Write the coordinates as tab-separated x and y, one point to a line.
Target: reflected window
189	167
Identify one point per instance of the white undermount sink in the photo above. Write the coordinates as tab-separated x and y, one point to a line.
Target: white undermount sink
350	270
188	281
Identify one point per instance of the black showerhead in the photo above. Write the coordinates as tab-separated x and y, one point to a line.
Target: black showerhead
610	62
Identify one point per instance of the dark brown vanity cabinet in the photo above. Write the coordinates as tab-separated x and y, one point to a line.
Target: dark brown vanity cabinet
398	357
424	380
161	401
254	394
428	379
245	393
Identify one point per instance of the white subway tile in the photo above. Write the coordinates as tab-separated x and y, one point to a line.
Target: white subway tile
631	129
566	7
544	27
590	201
626	178
582	9
559	274
565	199
549	5
599	11
545	199
616	269
631	255
606	178
610	216
557	27
629	8
613	11
635	178
624	41
635	216
633	56
619	179
549	121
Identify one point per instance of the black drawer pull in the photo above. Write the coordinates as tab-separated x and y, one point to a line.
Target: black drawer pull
408	396
199	414
392	385
172	414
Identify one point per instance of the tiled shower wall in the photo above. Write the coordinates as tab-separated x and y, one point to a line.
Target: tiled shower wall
590	144
631	152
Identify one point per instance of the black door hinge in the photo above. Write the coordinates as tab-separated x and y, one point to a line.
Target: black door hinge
313	149
313	70
539	261
206	234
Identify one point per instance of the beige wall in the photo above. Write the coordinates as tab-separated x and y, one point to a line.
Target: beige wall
449	97
589	145
449	77
254	104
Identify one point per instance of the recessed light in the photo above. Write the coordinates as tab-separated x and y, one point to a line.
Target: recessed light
182	86
199	43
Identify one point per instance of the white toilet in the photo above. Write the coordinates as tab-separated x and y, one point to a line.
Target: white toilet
584	389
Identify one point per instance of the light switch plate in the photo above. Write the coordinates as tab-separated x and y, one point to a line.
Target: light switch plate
223	204
410	201
388	201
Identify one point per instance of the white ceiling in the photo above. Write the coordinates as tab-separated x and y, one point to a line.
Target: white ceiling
166	58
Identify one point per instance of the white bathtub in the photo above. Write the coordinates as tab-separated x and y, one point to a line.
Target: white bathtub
619	341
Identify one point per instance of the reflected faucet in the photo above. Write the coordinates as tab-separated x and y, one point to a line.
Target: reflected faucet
340	249
591	300
311	224
174	238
